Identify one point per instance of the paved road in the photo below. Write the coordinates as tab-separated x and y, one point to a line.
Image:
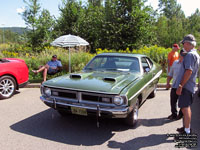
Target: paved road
27	124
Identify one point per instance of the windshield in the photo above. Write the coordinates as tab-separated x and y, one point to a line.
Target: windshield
3	60
114	63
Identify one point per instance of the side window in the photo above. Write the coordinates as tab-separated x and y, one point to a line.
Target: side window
150	62
145	65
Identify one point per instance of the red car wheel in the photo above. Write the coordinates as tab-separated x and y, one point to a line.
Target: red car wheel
7	86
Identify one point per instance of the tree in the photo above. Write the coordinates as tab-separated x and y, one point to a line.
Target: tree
7	36
45	28
30	17
96	2
194	26
70	12
170	24
170	8
40	24
129	24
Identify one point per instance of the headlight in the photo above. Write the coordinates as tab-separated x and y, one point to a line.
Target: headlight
47	91
118	100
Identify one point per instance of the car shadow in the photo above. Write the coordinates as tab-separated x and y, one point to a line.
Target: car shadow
73	129
140	142
152	122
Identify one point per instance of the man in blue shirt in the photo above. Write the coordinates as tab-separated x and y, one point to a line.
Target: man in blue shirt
173	74
51	68
186	81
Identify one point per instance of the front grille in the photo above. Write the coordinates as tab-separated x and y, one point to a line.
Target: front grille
67	95
82	96
90	97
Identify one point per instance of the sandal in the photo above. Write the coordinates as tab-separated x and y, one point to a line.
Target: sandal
34	71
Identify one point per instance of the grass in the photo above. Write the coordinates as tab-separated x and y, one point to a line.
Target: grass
162	80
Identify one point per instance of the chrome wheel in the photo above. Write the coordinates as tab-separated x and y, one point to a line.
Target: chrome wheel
132	118
7	86
135	113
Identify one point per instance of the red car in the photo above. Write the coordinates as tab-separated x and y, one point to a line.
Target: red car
13	75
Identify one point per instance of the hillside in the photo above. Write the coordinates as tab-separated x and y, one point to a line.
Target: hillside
19	30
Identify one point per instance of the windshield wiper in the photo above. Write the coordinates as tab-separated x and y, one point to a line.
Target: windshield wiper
112	69
118	69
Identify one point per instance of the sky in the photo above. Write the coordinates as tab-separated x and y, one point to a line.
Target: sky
10	10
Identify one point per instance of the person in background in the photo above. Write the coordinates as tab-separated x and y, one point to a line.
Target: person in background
172	56
199	78
186	81
52	67
174	70
198	83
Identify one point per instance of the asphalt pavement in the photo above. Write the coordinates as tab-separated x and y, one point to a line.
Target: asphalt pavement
28	124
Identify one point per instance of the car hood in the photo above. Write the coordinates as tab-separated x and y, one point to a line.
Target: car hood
101	82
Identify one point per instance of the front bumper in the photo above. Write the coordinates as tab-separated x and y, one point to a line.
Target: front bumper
107	112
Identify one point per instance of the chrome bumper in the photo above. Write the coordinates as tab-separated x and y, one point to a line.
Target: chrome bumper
121	112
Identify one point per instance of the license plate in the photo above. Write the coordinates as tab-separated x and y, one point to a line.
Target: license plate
79	111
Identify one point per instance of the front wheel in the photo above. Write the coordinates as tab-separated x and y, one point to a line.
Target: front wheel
7	86
132	118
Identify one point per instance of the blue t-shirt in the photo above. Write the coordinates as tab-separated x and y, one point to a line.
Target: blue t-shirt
174	70
192	62
54	64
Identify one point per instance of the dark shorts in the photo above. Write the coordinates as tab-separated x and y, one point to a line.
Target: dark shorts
185	99
52	71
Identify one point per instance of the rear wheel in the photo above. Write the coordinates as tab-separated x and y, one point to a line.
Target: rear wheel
132	118
7	86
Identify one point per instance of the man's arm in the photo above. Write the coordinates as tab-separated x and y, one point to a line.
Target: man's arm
169	78
184	80
168	67
59	66
168	62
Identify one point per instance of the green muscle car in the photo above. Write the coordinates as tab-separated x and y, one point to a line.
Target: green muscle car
111	85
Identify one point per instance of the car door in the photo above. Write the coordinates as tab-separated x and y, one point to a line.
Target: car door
148	75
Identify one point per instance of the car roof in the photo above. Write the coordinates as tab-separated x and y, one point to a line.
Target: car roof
121	54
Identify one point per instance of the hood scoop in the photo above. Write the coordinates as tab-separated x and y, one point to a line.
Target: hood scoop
109	79
75	76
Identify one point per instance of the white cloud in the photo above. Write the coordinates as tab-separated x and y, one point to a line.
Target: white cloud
21	10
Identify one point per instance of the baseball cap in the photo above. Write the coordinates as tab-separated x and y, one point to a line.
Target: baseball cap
188	38
54	56
176	45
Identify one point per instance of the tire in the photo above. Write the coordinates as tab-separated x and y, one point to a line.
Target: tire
7	87
153	93
132	118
